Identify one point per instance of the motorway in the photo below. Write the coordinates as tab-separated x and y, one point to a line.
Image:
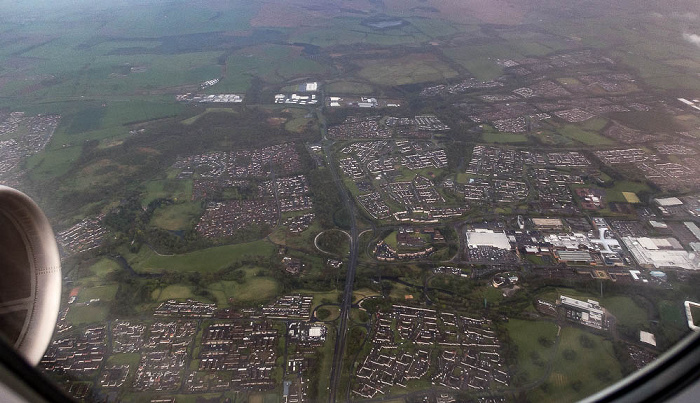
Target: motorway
339	350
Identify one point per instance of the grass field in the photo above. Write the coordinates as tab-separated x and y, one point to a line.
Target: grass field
672	313
579	371
206	260
103	293
416	68
532	356
104	267
620	188
503	138
254	288
348	87
78	315
626	311
177	216
583	136
631	197
124	358
175	291
178	190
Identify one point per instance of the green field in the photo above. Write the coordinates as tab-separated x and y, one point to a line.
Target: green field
177	216
175	291
413	69
626	311
532	355
206	260
503	138
78	315
254	288
104	267
673	313
124	358
619	188
103	293
583	136
348	87
579	371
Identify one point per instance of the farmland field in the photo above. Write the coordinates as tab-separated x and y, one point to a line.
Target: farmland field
406	70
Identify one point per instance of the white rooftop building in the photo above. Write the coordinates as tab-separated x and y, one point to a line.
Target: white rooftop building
648	338
486	237
669	202
661	252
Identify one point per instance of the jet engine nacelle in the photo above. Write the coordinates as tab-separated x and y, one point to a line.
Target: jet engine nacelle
30	275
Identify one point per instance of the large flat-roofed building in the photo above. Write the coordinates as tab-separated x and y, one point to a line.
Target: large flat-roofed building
590	313
661	252
669	202
485	237
548	223
692	227
577	256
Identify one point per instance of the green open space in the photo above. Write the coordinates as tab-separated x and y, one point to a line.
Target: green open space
53	163
178	216
584	136
533	356
206	260
173	291
131	359
673	313
585	363
627	312
416	68
103	293
494	137
348	87
78	315
104	267
253	288
303	240
175	189
617	192
193	119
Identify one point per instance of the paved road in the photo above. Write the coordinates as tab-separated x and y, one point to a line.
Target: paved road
346	305
338	352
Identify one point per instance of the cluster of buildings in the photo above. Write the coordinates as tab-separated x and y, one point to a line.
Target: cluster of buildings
210	98
588	313
217	173
280	195
234	352
411	243
81	354
375	166
226	218
256	163
365	127
307	95
244	349
20	137
163	355
497	173
299	223
459	88
289	307
88	234
185	309
296	99
409	343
